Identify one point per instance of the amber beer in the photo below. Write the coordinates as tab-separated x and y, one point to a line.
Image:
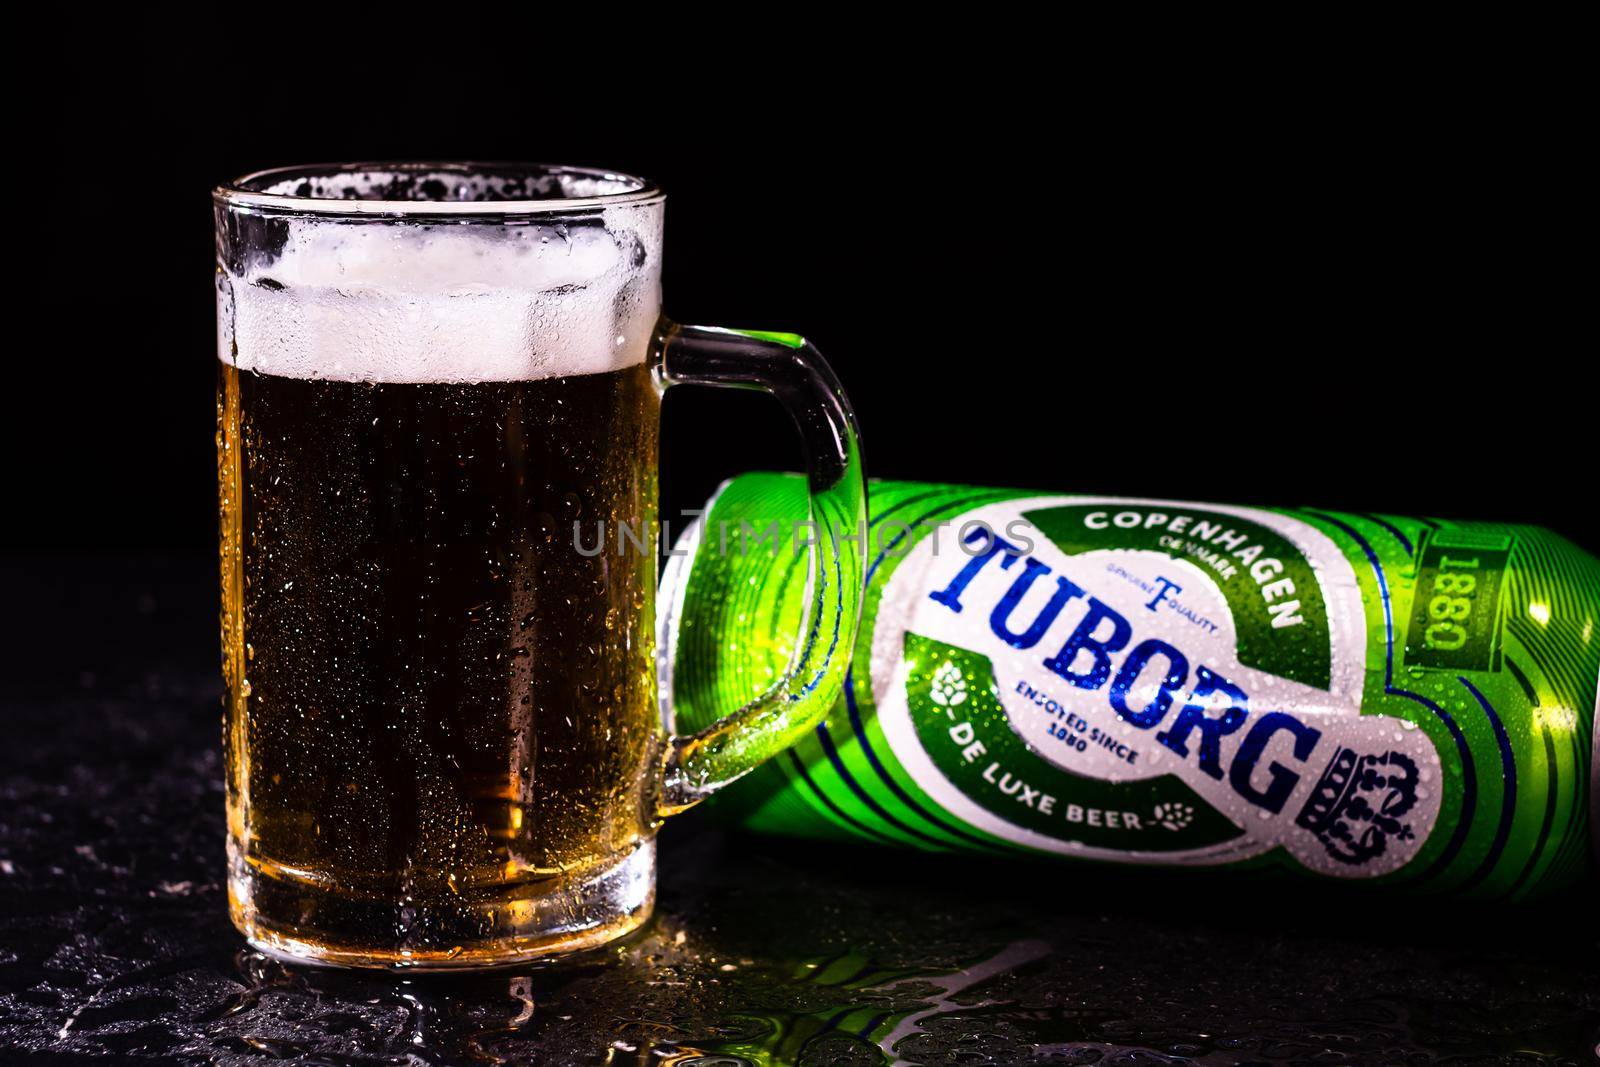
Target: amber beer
437	407
456	706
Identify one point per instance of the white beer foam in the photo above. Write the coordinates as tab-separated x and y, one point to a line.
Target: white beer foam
384	302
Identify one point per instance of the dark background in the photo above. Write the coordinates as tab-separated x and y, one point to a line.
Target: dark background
1145	265
1333	287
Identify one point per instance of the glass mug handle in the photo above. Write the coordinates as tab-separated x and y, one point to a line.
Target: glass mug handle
789	368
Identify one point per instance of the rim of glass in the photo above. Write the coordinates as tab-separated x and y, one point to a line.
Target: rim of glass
238	192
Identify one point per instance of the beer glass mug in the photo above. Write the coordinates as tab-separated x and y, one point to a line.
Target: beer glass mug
439	388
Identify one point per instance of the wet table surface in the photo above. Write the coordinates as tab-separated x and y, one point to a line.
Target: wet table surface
115	944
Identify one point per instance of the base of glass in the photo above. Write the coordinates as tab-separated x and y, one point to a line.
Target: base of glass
306	924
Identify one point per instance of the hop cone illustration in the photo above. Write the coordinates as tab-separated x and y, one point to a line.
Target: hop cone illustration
948	688
1173	815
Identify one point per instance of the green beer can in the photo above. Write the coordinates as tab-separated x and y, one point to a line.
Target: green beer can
1357	696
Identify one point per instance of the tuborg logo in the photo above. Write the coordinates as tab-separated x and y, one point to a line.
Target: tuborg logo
1109	694
1354	810
1191	733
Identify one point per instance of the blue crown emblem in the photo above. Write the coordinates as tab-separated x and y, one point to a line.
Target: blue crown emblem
1356	807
